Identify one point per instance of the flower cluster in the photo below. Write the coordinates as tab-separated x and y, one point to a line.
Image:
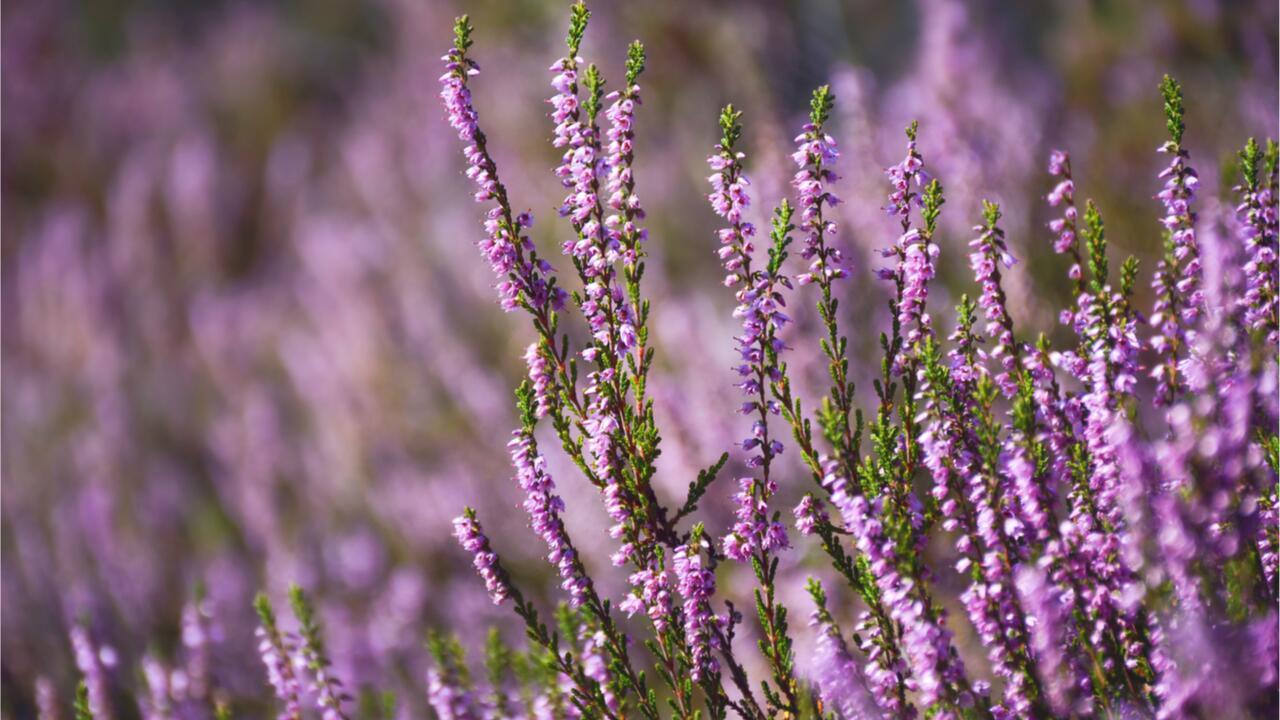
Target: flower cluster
815	153
1014	528
1065	228
544	508
1093	556
276	649
1177	281
1260	229
697	585
522	277
760	308
472	538
989	253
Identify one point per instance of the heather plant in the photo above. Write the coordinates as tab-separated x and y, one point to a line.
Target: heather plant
1091	529
1010	526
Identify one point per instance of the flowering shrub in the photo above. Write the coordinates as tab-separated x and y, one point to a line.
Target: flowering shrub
1108	506
1093	533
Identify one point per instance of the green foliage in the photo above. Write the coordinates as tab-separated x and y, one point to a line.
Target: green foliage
933	201
1250	163
990	213
730	127
304	611
1095	238
267	614
781	236
820	105
635	61
1172	93
699	486
376	705
1128	276
81	705
497	664
579	15
595	92
819	594
462	32
1270	450
527	404
449	657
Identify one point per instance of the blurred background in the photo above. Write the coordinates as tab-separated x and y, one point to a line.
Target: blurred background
247	338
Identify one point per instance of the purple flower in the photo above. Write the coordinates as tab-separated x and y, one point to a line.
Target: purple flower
472	538
697	583
46	699
815	153
1177	281
902	177
544	508
601	426
1259	230
449	700
542	377
651	594
810	513
1067	237
276	650
195	638
522	276
989	252
565	112
310	656
926	643
1063	676
595	665
842	684
626	211
760	303
917	269
157	704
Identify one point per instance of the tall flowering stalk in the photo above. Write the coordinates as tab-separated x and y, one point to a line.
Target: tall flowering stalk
587	692
522	276
841	684
917	255
697	584
621	439
1107	327
1065	228
542	503
758	535
311	657
525	280
626	212
815	154
612	444
1177	282
449	691
1260	231
926	643
276	650
962	457
989	253
914	261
